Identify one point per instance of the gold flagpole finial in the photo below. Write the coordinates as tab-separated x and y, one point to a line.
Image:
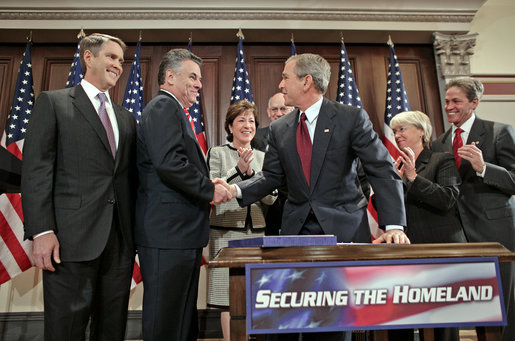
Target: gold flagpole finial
140	35
390	42
190	39
81	34
292	39
240	34
29	38
341	36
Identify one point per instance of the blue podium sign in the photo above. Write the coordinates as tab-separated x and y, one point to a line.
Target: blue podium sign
389	294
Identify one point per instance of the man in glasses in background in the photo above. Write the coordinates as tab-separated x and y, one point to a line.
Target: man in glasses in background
276	109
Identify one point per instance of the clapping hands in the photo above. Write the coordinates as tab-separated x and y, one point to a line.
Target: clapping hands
244	161
405	164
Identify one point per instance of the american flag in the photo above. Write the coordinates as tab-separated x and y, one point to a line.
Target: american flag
241	85
347	89
15	253
134	100
196	115
76	74
348	94
396	101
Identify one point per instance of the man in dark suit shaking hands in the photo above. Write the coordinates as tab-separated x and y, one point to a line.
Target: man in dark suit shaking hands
323	197
78	195
173	205
314	150
485	156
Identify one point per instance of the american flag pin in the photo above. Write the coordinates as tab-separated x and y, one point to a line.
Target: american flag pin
326	131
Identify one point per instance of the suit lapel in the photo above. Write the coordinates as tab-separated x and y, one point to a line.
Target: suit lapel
476	135
477	132
122	133
447	141
323	132
186	124
422	160
83	105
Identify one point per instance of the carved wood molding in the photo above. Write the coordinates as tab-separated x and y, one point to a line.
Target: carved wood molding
239	14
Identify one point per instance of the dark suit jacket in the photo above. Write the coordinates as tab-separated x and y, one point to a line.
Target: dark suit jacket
260	140
343	133
70	182
486	205
175	190
431	200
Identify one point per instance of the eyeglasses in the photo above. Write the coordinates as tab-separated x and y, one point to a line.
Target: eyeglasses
283	109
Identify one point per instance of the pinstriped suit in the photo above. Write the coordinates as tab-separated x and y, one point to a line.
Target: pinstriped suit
72	185
431	200
486	205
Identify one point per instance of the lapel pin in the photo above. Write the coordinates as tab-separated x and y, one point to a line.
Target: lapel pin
326	131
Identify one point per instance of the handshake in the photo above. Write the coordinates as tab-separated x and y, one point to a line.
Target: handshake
223	192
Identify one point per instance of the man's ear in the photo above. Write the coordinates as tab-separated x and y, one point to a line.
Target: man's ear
475	102
87	58
170	76
308	80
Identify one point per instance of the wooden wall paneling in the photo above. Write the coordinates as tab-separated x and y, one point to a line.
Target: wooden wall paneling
6	71
431	93
268	74
11	57
264	62
55	73
210	100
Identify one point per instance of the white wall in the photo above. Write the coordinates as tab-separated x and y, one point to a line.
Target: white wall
494	55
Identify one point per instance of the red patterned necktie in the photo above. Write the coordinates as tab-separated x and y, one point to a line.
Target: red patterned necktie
106	122
304	146
456	144
192	124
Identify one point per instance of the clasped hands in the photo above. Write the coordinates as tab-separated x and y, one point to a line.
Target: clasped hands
225	192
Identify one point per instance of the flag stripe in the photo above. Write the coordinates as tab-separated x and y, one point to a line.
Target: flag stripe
11	231
4	274
16	149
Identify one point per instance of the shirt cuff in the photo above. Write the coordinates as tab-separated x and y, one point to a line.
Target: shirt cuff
238	189
393	227
42	233
482	174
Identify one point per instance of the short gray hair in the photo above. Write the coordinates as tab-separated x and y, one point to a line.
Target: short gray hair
174	59
314	65
416	118
472	87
